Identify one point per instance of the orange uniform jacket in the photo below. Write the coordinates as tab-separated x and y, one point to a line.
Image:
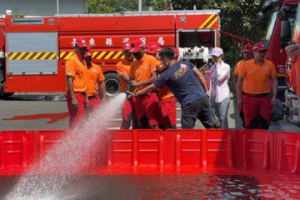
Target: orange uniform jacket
142	70
95	75
76	68
123	67
257	77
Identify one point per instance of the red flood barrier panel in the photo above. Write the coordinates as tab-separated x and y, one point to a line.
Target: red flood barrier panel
202	148
135	147
253	149
15	151
44	140
165	152
287	152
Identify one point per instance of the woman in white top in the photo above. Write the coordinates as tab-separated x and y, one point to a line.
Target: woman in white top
219	89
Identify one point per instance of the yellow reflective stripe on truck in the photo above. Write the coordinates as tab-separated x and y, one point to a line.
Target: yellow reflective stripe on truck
209	22
31	55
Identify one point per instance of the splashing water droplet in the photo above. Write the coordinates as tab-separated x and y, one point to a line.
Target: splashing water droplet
83	147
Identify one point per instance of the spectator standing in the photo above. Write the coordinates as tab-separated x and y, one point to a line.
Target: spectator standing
219	89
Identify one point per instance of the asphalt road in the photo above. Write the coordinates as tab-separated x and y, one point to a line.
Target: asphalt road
49	112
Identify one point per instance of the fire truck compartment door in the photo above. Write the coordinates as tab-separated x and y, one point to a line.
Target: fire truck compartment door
32	53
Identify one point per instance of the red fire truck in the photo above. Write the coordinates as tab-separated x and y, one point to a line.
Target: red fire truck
277	43
283	28
34	50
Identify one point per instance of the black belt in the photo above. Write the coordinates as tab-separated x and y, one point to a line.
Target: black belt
92	97
256	95
80	93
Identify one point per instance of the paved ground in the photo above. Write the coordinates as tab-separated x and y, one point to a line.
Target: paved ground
44	112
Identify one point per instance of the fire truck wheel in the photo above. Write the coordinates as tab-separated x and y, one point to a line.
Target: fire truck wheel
2	94
112	83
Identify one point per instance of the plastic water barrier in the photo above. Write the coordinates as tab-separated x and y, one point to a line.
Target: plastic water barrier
163	152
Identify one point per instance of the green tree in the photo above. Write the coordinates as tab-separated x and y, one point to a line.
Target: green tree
160	4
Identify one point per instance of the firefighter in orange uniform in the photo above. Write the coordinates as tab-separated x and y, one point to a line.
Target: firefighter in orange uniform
247	54
167	101
258	74
123	69
143	73
76	72
95	78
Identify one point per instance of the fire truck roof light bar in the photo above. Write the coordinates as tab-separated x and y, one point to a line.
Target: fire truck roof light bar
146	13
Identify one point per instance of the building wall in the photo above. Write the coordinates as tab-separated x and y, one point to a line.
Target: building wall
42	7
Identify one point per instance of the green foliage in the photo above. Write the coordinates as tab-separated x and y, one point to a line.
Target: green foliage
160	4
18	15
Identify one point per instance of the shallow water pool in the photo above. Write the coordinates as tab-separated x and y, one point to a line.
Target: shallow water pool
204	186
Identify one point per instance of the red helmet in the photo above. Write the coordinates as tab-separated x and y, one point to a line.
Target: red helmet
135	45
152	48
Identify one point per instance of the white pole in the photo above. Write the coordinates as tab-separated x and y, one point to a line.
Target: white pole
140	5
57	7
